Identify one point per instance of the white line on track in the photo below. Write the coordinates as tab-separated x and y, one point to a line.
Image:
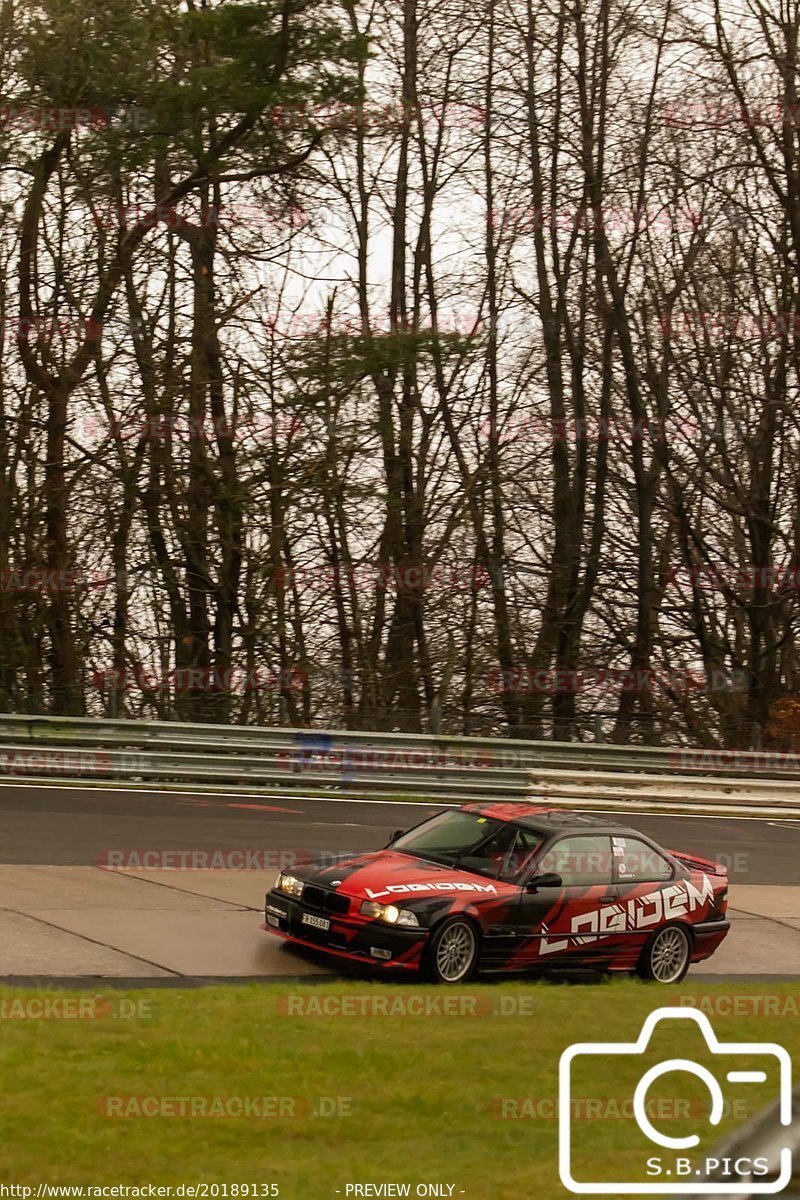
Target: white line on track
338	825
690	816
48	785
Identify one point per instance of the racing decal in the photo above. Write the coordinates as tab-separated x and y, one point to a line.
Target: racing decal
668	904
547	947
445	886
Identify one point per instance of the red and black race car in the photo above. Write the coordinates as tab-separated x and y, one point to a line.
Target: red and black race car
509	887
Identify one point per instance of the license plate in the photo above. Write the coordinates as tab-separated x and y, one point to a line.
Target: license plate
315	922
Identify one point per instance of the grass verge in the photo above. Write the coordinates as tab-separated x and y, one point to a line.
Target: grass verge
357	1083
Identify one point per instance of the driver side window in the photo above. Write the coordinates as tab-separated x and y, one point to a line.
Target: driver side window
580	861
525	843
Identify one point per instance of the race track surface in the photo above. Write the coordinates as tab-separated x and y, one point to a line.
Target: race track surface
104	883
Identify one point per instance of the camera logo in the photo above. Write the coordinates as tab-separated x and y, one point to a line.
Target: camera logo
675	1171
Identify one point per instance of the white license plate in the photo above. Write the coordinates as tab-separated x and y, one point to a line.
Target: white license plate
315	922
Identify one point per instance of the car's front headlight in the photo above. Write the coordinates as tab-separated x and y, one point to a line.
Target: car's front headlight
389	913
290	884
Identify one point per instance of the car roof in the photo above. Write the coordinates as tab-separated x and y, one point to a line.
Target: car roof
545	820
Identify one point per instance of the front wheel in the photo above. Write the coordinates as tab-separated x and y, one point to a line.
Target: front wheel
665	958
452	954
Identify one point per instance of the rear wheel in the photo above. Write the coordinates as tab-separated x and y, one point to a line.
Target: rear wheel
665	958
452	954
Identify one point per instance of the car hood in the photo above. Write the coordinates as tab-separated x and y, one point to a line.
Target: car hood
389	877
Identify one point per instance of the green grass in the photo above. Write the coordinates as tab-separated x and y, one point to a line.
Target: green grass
422	1096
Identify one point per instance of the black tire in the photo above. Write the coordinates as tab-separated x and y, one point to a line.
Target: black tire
665	958
451	955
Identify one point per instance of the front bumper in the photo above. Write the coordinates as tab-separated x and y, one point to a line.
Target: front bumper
348	936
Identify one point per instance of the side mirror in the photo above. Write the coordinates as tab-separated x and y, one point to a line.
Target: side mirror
549	880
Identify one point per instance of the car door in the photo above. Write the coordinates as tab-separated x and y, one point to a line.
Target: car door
503	858
648	890
568	923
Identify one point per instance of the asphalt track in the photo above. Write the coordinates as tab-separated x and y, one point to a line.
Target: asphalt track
115	884
54	825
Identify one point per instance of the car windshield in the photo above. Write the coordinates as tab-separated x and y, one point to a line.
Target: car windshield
473	842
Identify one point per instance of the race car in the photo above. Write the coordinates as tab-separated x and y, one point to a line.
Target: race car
509	887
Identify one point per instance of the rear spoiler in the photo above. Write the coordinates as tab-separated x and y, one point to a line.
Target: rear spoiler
700	864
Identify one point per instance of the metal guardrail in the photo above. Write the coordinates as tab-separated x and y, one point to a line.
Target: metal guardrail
495	751
279	761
